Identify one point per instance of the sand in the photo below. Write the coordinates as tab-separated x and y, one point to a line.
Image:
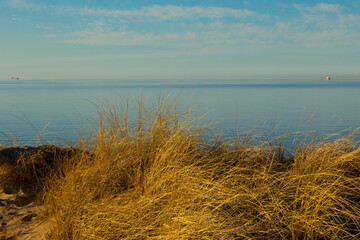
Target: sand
21	218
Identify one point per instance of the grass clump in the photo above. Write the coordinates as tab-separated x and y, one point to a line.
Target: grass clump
28	168
158	179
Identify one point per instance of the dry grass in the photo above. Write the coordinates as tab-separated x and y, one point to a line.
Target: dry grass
28	168
158	179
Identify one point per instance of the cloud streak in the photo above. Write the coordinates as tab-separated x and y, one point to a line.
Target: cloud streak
309	32
127	38
201	35
208	26
25	5
171	12
320	7
153	12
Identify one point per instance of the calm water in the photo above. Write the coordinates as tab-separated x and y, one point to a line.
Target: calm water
59	108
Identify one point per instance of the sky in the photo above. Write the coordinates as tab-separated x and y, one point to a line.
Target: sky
175	40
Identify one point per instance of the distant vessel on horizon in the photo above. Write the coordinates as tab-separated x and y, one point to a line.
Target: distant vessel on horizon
326	78
14	78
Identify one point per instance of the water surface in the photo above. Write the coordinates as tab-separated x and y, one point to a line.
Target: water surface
232	107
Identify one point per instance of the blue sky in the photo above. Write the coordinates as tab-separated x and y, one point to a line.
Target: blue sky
207	39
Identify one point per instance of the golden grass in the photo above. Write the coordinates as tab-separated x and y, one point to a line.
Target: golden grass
28	168
158	179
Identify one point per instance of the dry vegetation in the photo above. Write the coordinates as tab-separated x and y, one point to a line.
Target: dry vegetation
158	179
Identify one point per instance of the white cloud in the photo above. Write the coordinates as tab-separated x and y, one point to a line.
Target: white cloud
323	7
310	30
202	35
209	26
100	36
156	12
25	5
170	12
320	7
348	22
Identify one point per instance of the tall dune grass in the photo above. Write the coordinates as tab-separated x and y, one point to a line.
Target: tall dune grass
159	179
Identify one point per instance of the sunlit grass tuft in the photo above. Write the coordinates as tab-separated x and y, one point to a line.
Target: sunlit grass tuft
159	178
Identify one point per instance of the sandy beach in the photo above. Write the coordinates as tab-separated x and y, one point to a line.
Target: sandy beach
21	218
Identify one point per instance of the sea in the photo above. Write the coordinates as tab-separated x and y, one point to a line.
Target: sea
60	111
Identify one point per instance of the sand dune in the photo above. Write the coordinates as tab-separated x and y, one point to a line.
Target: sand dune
21	217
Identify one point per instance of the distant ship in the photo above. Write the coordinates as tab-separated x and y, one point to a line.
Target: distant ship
326	78
14	78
